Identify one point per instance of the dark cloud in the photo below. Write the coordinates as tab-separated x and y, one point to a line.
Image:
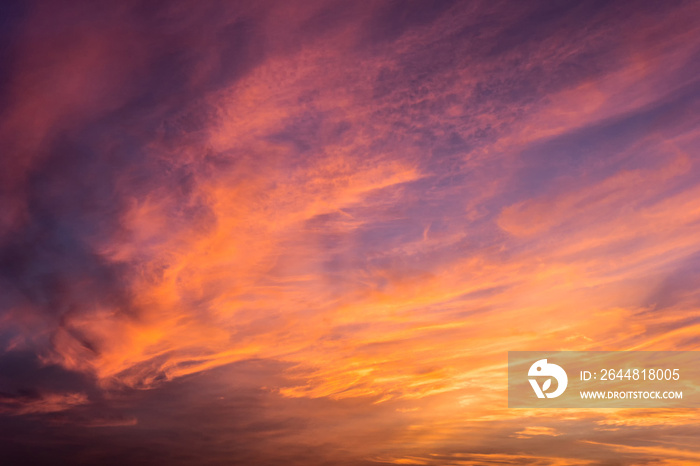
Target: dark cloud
22	372
13	13
222	417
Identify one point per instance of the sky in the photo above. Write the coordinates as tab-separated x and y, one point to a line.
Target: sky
309	232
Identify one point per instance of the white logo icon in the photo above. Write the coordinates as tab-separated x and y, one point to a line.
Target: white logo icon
543	369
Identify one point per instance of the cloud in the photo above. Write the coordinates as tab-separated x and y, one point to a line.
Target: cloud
308	232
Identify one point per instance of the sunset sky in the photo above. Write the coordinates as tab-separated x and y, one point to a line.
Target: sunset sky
309	232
